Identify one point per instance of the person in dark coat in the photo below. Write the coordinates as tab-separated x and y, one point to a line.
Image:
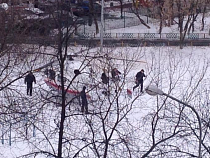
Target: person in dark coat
104	78
51	74
139	79
29	79
115	74
84	100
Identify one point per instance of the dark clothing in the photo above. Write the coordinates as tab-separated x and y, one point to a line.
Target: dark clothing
115	74
84	100
51	74
137	84
29	88
139	76
139	80
104	78
29	79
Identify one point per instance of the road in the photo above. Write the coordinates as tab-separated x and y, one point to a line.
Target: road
109	42
138	42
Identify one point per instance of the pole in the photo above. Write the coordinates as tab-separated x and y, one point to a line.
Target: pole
10	133
124	19
84	27
2	140
34	127
102	26
198	117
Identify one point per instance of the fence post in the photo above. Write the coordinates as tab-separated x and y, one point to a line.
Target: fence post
2	140
10	134
34	127
124	19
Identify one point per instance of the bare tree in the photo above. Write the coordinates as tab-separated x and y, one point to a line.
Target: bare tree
181	125
136	12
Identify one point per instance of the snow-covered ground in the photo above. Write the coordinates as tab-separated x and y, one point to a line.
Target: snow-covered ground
182	73
175	71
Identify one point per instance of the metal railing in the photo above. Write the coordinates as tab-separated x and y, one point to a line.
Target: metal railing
168	36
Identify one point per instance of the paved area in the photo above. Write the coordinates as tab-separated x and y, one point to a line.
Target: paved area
112	42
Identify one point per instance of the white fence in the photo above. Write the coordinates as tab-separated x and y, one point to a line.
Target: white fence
169	36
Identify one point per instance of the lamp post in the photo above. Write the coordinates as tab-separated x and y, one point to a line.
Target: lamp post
102	26
153	90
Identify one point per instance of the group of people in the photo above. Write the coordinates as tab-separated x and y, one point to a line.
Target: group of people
115	77
30	78
115	73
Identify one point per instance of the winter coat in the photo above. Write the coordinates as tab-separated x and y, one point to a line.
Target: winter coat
30	78
115	73
139	76
52	74
83	95
104	78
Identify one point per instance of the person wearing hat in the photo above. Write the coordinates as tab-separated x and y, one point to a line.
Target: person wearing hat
139	79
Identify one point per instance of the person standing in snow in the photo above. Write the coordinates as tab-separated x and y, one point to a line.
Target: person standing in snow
139	79
51	74
104	78
84	100
29	79
115	74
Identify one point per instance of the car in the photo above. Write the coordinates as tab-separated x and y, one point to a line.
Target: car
82	9
85	5
78	11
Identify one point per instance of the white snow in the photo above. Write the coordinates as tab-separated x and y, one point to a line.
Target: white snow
171	68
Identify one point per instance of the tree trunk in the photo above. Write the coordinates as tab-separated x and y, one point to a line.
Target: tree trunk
203	17
61	128
93	14
121	9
